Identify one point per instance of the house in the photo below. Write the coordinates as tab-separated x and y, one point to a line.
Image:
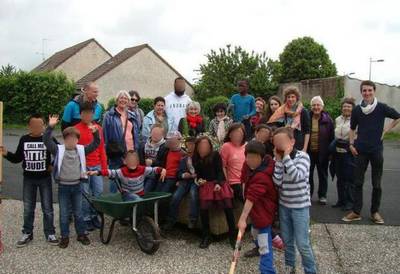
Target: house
138	68
76	61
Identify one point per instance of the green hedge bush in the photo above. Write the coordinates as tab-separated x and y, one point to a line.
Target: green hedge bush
208	105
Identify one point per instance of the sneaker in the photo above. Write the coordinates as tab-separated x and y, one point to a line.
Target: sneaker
252	253
83	239
89	225
377	218
323	201
52	239
205	242
96	223
352	216
64	241
277	243
25	239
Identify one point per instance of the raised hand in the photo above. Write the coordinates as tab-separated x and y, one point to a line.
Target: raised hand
53	120
93	128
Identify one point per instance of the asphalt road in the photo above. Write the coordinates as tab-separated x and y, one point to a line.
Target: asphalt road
12	186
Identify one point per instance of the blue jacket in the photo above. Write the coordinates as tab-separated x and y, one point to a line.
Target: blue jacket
72	112
112	127
148	121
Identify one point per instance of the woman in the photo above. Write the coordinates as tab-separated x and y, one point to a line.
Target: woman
193	124
260	112
274	102
214	192
156	116
134	106
292	114
232	154
220	124
322	134
344	159
121	132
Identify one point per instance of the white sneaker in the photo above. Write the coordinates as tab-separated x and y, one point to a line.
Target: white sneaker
52	239
25	239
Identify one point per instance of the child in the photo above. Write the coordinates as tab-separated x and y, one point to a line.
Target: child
131	176
291	176
261	201
263	135
219	125
169	160
93	185
35	159
214	191
186	184
69	169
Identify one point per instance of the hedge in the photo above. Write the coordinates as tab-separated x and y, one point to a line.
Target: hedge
208	105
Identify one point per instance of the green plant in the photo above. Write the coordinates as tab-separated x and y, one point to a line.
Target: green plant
146	104
208	105
111	103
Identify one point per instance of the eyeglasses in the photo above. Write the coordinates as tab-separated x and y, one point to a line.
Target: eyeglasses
134	100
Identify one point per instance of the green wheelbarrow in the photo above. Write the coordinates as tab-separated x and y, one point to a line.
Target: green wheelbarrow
144	227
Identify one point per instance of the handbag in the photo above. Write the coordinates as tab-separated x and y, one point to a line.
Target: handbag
117	149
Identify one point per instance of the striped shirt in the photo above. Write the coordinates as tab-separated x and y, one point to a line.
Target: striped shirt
291	176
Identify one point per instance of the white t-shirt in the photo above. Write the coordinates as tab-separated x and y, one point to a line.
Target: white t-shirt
176	108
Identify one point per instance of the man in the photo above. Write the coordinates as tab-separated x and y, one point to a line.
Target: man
176	103
369	119
72	116
244	106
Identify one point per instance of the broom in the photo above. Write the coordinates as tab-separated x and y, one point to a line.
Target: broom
236	253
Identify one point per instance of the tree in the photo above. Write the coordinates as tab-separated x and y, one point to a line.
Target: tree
303	58
7	70
219	76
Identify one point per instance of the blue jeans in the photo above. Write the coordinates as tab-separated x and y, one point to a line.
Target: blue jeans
166	186
127	196
294	229
114	164
30	187
263	239
150	183
70	195
93	186
184	188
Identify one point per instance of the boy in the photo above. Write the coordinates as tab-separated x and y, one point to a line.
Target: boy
261	201
186	184
169	160
131	176
291	176
263	135
93	185
35	159
69	169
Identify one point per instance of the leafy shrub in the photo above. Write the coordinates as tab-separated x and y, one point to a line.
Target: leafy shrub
146	104
208	105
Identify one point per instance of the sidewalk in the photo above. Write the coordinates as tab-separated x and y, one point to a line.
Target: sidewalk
338	249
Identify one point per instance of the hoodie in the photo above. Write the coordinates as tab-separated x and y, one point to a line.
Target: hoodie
259	189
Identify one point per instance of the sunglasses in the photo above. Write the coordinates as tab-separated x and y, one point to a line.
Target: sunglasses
134	100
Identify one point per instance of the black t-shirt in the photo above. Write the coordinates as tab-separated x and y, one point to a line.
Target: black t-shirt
34	156
210	169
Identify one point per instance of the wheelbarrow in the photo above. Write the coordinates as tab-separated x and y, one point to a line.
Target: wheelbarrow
144	227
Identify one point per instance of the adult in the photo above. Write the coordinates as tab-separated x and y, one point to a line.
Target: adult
274	102
322	134
193	124
134	106
260	112
176	102
232	155
344	160
218	126
121	132
156	116
72	113
244	106
369	119
292	114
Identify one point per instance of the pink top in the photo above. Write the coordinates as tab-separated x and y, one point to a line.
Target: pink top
232	160
128	136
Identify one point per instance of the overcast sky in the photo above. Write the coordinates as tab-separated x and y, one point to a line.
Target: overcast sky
183	31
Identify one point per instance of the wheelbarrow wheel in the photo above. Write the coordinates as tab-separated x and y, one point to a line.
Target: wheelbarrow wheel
148	235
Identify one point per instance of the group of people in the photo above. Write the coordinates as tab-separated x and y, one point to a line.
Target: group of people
261	154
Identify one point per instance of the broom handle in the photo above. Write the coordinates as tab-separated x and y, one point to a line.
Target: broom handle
236	253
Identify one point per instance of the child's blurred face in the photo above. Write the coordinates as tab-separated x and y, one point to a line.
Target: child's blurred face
131	160
253	160
220	114
282	142
263	135
157	134
173	143
193	111
203	148
87	116
36	126
190	147
71	141
237	136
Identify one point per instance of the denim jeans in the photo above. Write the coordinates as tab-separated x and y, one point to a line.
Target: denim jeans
114	164
30	187
127	196
361	164
294	229
263	239
150	183
167	186
344	168
93	186
185	187
322	169
70	195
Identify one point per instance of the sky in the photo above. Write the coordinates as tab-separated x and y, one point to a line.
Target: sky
184	31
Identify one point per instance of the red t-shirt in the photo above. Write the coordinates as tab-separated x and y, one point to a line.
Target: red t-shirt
172	165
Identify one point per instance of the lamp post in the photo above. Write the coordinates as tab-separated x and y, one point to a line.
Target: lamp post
370	64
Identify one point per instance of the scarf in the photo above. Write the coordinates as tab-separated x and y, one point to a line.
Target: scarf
292	115
368	108
194	121
221	129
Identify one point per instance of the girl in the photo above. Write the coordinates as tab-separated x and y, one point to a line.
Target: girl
220	124
260	112
274	102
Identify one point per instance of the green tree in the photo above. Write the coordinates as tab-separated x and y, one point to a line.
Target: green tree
304	58
219	76
7	70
